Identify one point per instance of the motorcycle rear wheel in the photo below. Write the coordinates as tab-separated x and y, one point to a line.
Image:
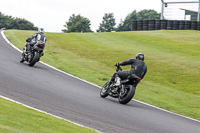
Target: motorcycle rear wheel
127	96
34	59
104	90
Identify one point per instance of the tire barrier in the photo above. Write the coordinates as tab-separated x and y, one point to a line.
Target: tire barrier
163	24
138	25
187	25
134	25
198	25
169	24
145	24
157	24
193	25
151	25
181	25
175	25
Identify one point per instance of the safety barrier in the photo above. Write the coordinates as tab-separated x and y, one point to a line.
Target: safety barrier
138	25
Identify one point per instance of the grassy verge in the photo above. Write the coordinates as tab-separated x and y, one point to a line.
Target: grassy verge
16	118
172	58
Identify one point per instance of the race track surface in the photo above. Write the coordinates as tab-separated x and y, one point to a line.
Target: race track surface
54	92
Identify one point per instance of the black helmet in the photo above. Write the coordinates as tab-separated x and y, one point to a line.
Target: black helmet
140	56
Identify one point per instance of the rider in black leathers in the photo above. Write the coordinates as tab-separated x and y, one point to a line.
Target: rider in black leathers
138	67
33	40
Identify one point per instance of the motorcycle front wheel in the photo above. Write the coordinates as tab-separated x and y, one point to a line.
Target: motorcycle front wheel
126	95
35	58
104	90
22	58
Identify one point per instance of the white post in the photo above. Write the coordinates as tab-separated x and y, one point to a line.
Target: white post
162	10
198	15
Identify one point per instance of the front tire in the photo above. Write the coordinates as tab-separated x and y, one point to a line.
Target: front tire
127	95
34	59
104	90
22	58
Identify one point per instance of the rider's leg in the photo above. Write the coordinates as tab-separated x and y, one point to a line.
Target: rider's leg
27	47
120	76
112	79
116	79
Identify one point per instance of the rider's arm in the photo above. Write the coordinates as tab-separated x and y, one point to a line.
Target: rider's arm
128	62
31	37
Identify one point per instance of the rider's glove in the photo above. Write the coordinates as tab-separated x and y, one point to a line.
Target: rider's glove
117	64
28	40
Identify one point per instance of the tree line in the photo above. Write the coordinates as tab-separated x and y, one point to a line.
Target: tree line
78	23
10	22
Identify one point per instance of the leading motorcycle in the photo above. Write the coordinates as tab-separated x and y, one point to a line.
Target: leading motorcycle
33	55
124	92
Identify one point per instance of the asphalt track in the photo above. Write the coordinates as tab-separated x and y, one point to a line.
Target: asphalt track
54	92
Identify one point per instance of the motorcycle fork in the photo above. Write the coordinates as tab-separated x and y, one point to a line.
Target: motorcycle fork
29	56
122	90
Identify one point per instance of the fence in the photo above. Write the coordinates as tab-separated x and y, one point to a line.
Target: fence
138	25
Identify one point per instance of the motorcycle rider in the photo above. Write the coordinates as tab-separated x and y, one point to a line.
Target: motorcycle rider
138	67
33	40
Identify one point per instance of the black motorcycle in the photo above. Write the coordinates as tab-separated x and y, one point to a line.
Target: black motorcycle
33	55
124	92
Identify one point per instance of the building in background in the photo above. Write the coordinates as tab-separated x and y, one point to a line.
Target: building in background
190	15
180	10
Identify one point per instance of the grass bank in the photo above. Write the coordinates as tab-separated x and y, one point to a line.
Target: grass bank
172	58
16	118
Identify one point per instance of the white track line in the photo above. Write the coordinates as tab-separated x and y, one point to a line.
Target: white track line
2	32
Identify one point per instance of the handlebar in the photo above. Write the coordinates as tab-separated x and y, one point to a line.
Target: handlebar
118	68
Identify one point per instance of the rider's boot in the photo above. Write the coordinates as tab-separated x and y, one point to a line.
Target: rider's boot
41	53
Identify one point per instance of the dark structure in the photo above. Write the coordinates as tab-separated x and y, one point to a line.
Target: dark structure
138	25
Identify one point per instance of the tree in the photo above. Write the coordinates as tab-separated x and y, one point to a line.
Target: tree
108	23
127	23
77	24
148	14
144	14
9	22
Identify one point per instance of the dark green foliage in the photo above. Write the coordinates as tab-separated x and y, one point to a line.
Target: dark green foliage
148	14
126	24
77	24
10	22
144	14
108	23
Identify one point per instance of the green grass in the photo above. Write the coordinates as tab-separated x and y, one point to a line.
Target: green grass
172	58
15	118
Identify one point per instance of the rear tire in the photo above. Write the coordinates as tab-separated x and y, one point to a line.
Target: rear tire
34	59
104	90
126	97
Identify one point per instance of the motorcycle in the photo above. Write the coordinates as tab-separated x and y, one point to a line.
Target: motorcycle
33	55
124	92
